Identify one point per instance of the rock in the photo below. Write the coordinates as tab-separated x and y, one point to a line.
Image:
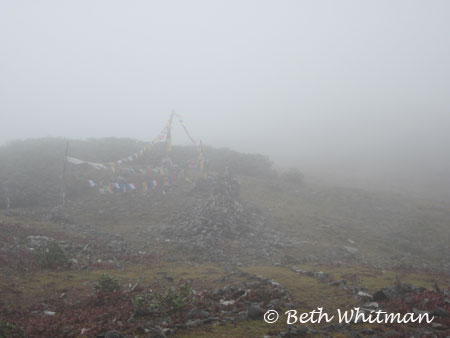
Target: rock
439	326
254	312
226	302
295	331
168	332
321	276
350	249
115	245
56	214
409	299
151	324
364	296
297	270
193	323
196	313
219	292
338	282
140	330
113	334
275	302
38	241
164	322
219	215
354	334
385	294
440	312
211	320
372	305
419	312
391	333
334	327
241	316
49	313
154	332
367	332
238	293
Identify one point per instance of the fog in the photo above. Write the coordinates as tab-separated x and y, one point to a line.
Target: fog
352	91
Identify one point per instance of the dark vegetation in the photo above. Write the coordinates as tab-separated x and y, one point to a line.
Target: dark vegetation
208	256
30	170
293	176
107	283
51	256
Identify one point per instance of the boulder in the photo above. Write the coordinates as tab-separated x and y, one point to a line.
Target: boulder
254	312
440	312
386	294
350	249
196	313
113	334
364	296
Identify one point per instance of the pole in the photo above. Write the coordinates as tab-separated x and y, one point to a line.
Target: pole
201	158
63	176
165	162
185	130
7	200
169	136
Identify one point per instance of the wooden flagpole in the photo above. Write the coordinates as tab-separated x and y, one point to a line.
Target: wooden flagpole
169	136
63	176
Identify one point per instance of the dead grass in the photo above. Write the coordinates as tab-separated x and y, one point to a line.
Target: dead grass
368	219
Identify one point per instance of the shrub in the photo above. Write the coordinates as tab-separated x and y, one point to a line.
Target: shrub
31	170
253	165
9	329
293	176
107	283
173	300
51	256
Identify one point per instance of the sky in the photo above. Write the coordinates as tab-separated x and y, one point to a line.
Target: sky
356	91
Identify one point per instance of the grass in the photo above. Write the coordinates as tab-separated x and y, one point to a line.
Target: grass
29	287
306	291
382	226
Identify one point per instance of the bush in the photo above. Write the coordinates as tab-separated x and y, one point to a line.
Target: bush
293	176
107	283
173	300
31	170
9	329
241	164
51	256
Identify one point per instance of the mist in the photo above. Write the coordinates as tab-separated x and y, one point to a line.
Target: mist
208	168
355	92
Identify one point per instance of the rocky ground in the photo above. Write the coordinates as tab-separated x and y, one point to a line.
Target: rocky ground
213	269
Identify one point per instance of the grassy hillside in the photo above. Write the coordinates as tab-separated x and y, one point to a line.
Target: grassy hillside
31	170
308	245
385	228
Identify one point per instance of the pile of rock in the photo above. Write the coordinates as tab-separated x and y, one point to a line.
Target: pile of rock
221	214
217	214
219	226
